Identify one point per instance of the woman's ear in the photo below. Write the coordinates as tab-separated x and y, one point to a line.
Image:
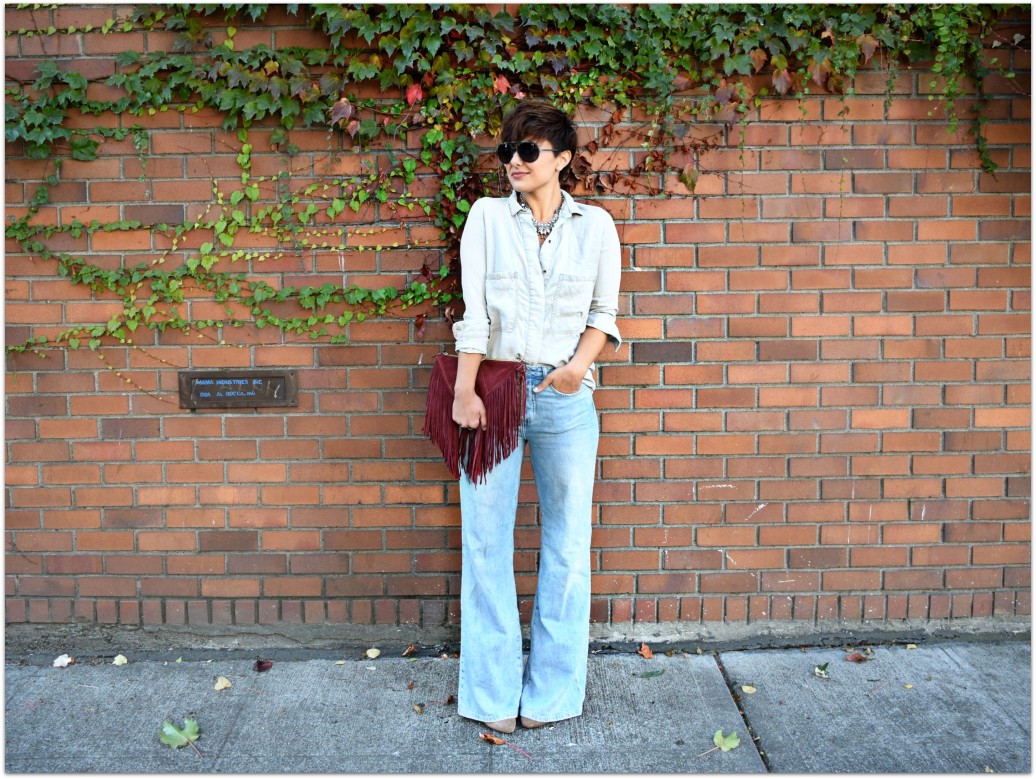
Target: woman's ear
563	158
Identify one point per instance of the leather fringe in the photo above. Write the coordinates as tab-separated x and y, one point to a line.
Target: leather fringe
501	386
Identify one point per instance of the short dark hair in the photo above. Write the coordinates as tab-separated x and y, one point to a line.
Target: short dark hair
536	119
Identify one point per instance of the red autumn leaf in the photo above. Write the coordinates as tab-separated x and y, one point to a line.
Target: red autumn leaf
501	84
856	658
414	94
342	111
782	82
410	649
645	652
680	83
820	71
869	46
727	113
262	665
758	57
353	127
724	93
492	739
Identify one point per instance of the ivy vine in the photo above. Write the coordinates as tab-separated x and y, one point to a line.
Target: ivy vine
446	74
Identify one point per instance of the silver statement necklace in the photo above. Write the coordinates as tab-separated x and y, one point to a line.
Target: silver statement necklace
543	229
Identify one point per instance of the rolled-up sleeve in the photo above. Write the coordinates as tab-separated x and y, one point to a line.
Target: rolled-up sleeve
472	333
605	303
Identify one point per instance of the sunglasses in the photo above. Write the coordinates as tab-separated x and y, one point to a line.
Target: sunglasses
527	151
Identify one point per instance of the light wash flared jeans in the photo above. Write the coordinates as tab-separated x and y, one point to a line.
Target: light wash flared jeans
562	432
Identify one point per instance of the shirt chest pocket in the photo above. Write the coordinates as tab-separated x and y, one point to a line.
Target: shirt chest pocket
502	301
571	303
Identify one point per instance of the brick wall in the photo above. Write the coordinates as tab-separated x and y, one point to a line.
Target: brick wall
820	414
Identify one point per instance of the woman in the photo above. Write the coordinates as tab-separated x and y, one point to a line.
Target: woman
540	275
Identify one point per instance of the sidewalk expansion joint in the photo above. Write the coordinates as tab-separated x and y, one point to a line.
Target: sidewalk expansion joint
736	697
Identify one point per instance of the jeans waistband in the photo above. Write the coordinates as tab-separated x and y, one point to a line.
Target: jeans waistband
537	369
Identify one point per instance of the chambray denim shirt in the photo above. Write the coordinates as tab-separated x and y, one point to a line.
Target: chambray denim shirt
530	302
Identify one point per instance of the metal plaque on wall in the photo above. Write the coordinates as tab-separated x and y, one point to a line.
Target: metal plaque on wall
238	388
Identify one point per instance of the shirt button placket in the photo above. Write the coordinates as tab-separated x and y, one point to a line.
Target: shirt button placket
537	297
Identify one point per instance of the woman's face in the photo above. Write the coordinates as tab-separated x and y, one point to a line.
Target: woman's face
528	177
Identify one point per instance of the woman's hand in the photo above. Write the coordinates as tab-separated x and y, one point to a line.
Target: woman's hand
565	379
469	410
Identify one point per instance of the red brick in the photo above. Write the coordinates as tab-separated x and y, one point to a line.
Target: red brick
729	582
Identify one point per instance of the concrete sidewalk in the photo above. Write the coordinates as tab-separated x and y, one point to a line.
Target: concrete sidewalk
948	707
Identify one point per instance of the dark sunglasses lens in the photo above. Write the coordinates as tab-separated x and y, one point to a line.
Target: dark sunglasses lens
527	151
505	151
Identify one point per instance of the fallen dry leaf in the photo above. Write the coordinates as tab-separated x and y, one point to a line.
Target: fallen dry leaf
748	689
499	741
728	742
411	686
645	652
856	657
419	708
373	653
180	737
911	646
223	683
63	661
409	650
120	660
450	701
262	665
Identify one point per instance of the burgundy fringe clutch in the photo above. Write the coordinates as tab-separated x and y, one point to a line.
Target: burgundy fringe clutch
501	386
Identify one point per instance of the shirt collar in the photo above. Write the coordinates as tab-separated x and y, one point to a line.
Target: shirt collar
568	205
